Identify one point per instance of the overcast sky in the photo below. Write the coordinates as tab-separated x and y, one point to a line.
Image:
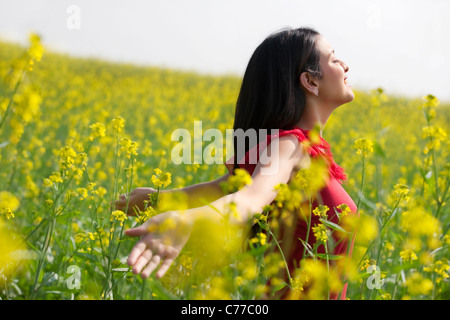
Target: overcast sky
400	45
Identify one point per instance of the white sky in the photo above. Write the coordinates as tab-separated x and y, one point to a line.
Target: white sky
400	45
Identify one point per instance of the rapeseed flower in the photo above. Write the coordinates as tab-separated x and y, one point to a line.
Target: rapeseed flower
36	49
118	123
11	251
429	106
321	232
238	180
98	130
344	210
321	211
441	268
118	215
408	255
161	179
128	147
8	201
416	284
363	146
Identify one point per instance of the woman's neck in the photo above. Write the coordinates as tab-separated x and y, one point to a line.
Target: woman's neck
314	114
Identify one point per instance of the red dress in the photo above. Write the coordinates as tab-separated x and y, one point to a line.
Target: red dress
332	195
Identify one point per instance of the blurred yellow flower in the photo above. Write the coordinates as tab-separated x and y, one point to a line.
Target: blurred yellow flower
118	123
416	284
8	201
363	146
98	130
408	255
36	49
11	251
237	181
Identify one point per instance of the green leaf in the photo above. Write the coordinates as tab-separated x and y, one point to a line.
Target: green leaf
307	246
329	256
279	287
160	291
379	150
333	225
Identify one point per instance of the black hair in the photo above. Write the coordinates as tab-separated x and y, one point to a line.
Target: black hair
271	96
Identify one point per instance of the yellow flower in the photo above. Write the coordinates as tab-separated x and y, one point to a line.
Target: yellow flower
260	239
55	177
238	180
321	211
429	106
11	250
8	201
319	280
402	191
161	179
344	210
98	130
367	263
363	146
119	216
148	213
128	147
7	213
365	226
35	51
67	157
418	223
441	268
320	232
434	135
417	284
82	193
118	123
233	211
407	255
311	180
273	263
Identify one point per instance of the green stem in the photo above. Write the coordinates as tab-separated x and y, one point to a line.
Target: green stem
282	255
308	227
362	181
43	255
11	99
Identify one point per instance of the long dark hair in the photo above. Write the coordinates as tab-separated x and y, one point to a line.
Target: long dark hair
271	96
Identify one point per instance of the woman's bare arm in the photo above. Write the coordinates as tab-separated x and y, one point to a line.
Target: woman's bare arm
159	247
196	195
252	198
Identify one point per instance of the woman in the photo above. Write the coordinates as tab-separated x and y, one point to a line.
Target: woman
292	83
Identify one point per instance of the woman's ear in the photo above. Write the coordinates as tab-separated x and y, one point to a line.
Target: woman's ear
309	83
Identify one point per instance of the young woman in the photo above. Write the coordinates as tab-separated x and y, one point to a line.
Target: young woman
292	83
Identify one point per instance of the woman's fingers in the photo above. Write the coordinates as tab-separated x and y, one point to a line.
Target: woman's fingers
163	268
154	262
136	252
142	261
138	231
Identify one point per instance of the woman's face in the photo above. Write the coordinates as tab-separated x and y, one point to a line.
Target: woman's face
333	86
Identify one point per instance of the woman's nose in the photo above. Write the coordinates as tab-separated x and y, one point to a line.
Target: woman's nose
345	66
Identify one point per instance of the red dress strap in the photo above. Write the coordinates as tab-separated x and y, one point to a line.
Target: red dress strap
314	149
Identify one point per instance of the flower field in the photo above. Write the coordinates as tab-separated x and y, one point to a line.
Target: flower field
76	133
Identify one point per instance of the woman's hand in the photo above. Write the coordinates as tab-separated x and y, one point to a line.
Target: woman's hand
137	200
162	238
